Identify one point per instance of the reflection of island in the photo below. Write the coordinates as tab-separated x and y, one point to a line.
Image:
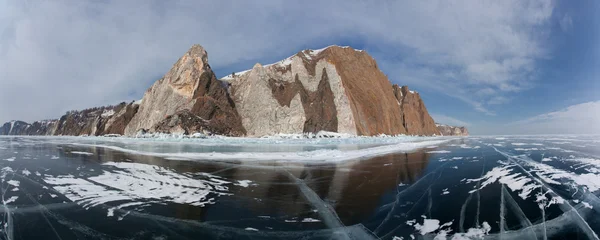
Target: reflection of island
354	188
370	180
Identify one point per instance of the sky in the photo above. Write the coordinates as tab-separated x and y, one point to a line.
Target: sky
497	67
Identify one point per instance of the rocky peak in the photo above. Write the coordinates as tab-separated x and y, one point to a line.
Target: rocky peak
190	85
185	73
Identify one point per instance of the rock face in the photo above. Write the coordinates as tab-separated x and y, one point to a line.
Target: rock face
333	89
415	117
452	131
44	127
14	128
93	121
189	86
96	121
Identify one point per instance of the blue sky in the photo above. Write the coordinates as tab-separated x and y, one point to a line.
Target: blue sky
498	67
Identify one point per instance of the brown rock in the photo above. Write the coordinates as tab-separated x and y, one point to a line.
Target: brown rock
415	117
96	121
190	85
182	122
117	124
370	93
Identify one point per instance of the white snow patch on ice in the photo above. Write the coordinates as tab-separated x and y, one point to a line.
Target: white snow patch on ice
10	159
526	149
82	153
10	200
310	220
514	180
135	182
439	151
589	180
429	225
26	172
14	183
474	233
111	212
243	183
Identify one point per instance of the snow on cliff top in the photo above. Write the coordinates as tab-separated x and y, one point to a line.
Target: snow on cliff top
308	53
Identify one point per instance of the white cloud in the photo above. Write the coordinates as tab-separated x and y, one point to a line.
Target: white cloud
566	22
61	55
581	118
498	100
444	119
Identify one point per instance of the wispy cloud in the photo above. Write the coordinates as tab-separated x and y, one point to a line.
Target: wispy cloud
581	118
61	55
498	100
566	22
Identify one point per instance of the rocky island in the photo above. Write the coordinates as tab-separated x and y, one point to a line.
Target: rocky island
334	89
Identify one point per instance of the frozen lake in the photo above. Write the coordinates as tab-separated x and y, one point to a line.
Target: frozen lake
513	187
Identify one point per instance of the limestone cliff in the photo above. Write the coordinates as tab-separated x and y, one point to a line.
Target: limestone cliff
452	130
190	86
335	89
415	117
93	121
